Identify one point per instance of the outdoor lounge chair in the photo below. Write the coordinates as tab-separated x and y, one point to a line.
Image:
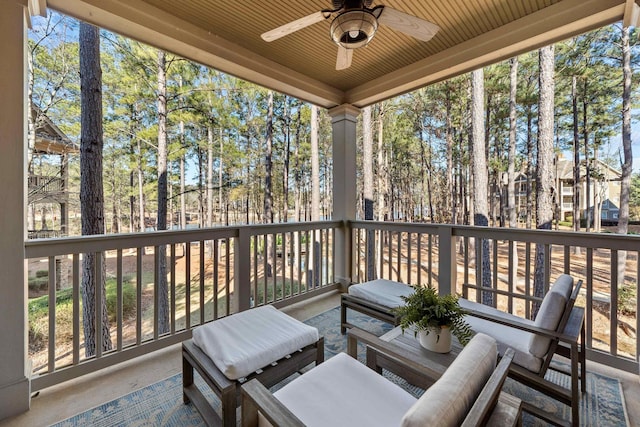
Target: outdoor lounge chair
262	343
343	391
376	298
558	327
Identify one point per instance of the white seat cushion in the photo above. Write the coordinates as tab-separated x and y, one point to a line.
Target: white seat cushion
250	340
344	392
447	402
505	336
382	291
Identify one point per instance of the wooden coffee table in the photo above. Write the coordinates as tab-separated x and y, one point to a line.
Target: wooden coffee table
408	345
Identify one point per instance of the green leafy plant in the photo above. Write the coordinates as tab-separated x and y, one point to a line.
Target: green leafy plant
425	310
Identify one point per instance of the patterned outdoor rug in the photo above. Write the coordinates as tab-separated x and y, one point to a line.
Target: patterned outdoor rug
160	404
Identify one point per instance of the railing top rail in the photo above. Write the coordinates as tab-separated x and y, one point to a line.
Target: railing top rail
552	237
38	248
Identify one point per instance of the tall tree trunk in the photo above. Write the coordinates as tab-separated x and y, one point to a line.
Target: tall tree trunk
312	275
530	169
141	201
220	166
513	127
162	292
268	187
450	199
544	175
209	176
480	182
367	188
91	189
381	181
576	158
585	131
627	164
511	169
285	170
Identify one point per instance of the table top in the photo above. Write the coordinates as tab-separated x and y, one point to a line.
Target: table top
409	346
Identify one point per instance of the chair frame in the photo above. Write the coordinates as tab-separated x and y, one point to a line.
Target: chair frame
228	391
568	341
492	407
369	308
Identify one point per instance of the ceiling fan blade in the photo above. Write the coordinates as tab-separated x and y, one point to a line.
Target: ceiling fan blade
408	24
292	26
344	58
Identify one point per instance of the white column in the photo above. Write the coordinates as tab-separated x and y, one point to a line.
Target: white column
343	119
14	376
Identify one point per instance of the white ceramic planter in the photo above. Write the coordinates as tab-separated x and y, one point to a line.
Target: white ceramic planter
435	340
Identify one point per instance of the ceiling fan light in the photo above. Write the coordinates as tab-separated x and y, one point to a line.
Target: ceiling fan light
354	28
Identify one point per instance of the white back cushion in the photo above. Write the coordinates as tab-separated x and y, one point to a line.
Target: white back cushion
448	401
550	312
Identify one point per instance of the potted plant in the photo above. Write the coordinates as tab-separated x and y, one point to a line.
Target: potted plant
434	318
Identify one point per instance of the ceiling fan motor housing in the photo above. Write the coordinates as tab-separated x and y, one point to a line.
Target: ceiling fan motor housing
353	28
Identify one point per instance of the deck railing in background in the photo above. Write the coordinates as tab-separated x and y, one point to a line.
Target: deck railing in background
210	273
442	255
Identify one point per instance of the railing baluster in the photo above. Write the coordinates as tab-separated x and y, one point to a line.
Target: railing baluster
290	260
409	259
430	260
139	253
264	268
465	241
156	291
187	283
567	259
510	272
51	365
119	300
202	281
227	248
319	258
274	267
589	305
419	250
76	308
494	284
98	302
172	279
527	279
613	303
283	263
216	280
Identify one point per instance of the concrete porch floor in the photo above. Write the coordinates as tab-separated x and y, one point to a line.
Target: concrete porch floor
65	400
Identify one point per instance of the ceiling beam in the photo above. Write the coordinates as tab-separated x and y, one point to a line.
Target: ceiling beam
549	25
140	21
631	14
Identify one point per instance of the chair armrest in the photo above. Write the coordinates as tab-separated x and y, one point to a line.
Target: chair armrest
256	398
522	326
391	351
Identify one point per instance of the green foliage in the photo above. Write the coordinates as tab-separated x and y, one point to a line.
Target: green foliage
425	309
39	311
627	300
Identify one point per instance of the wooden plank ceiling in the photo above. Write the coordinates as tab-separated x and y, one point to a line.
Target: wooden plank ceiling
225	34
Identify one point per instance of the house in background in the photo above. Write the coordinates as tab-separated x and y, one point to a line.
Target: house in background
604	186
48	179
604	193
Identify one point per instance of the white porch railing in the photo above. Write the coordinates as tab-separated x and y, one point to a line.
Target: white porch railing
211	273
444	254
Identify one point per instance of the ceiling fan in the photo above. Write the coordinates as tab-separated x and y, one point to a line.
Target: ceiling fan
355	23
